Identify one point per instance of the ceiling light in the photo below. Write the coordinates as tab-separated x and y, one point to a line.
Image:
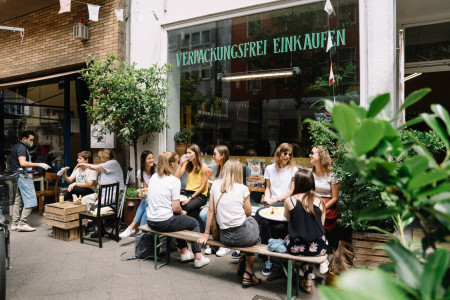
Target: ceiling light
259	74
411	76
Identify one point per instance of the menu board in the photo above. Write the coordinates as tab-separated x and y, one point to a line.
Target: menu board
255	174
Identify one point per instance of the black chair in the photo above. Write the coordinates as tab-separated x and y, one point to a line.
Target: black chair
109	195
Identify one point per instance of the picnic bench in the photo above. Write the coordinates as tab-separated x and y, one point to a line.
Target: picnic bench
261	249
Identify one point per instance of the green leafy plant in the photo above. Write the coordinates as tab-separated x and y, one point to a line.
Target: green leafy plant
414	188
131	193
126	100
183	136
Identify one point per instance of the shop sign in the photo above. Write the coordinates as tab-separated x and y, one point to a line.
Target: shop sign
102	141
285	44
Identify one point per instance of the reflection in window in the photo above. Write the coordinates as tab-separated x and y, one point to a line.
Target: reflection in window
427	42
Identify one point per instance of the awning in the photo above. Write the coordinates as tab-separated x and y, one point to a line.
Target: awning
19	82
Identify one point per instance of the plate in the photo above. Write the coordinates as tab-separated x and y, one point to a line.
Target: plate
277	215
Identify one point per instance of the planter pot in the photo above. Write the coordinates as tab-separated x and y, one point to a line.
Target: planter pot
129	210
365	255
180	149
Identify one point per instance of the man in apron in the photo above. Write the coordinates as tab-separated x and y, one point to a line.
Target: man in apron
25	195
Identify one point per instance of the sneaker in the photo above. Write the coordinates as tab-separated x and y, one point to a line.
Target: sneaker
201	262
324	267
13	227
187	257
208	250
25	227
222	251
277	272
128	232
236	254
268	269
145	227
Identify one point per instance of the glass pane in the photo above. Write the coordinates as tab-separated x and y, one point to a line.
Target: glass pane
428	42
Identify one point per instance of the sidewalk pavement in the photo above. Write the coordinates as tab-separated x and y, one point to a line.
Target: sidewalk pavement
46	268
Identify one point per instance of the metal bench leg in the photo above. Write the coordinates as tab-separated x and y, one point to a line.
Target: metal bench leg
289	280
157	245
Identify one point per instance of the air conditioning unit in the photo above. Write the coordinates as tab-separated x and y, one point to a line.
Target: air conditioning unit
80	31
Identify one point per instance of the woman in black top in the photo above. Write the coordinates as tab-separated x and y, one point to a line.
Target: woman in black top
306	214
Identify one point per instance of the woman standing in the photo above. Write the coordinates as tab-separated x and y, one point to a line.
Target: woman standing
233	209
327	187
164	210
306	214
197	180
278	187
148	168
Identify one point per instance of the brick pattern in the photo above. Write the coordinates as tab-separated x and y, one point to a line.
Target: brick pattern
48	42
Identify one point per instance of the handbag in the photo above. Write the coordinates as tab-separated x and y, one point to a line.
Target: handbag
215	229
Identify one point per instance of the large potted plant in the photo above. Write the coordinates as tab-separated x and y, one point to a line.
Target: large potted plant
414	188
182	138
126	100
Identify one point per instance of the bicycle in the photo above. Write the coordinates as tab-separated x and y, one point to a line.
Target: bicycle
8	188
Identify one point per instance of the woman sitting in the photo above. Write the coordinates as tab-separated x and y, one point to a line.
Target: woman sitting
306	214
231	200
164	210
197	180
148	168
82	180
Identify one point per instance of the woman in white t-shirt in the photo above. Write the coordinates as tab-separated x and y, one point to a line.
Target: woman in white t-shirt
109	169
233	209
164	210
82	180
327	187
278	188
148	168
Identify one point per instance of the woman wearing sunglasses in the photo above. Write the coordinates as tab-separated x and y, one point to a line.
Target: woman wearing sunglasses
279	187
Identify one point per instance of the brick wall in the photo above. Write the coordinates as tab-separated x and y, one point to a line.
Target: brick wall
48	42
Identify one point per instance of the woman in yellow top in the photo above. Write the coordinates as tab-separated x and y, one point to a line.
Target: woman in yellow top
197	181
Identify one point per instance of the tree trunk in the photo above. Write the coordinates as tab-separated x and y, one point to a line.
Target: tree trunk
136	185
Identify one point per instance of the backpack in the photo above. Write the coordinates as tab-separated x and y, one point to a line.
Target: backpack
143	247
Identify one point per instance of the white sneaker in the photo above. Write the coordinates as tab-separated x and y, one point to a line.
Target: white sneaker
201	262
208	250
222	251
187	257
25	227
127	233
13	227
323	268
145	227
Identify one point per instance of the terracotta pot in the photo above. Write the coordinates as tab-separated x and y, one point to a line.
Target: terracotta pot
130	208
180	149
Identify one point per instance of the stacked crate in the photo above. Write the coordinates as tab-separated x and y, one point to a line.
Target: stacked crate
63	216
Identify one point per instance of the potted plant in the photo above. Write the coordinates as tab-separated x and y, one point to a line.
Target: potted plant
182	138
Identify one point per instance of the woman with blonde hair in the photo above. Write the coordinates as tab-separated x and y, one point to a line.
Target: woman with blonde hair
278	188
231	201
306	214
196	189
164	209
327	187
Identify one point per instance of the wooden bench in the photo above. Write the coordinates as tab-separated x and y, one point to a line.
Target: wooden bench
192	236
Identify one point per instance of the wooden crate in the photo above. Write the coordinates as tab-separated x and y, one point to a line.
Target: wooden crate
365	255
65	225
64	208
66	234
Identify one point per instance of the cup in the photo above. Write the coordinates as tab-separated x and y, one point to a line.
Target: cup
61	198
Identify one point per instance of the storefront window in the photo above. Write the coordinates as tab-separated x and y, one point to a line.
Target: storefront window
250	82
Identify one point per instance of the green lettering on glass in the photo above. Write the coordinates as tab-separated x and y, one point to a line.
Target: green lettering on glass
340	37
275	45
265	47
241	51
258	47
184	58
227	52
179	55
191	59
323	39
307	41
298	42
220	50
201	58
316	40
207	55
233	51
252	49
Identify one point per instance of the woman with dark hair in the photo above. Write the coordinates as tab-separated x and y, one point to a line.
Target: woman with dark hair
148	168
164	210
306	214
278	187
327	187
196	189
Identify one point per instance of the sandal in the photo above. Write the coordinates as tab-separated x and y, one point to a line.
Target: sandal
247	282
241	265
306	285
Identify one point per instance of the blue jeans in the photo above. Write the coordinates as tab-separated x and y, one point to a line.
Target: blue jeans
141	213
202	218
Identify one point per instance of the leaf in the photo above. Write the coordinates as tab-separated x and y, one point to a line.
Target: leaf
368	136
407	266
360	111
411	122
433	275
414	97
424	179
443	114
329	293
344	120
385	232
443	187
433	123
377	213
378	104
415	165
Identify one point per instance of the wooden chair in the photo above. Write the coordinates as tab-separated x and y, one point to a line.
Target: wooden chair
109	195
49	191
